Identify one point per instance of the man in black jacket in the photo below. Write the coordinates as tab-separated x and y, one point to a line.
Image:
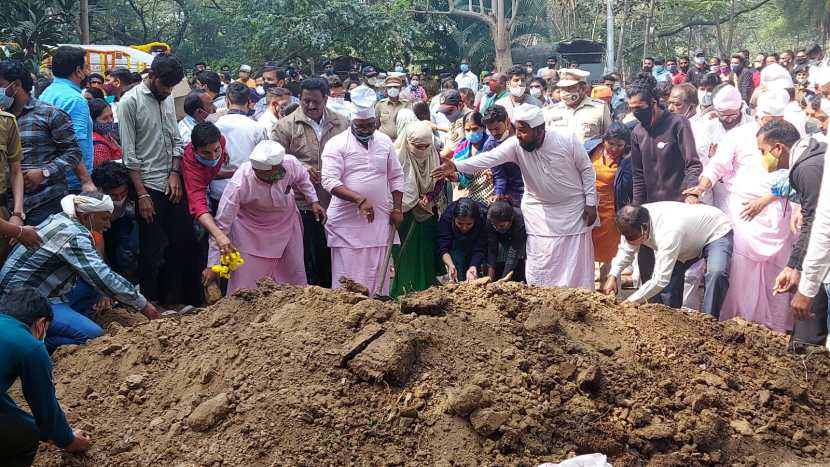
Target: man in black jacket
741	77
783	148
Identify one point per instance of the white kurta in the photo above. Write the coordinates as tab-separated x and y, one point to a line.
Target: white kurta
559	182
357	246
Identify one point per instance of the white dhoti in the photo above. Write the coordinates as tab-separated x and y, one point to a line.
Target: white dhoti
561	261
362	265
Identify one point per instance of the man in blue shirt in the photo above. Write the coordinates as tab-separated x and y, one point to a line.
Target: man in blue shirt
24	318
70	77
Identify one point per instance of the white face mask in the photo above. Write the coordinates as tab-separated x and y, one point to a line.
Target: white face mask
393	92
414	83
260	90
700	60
517	91
535	92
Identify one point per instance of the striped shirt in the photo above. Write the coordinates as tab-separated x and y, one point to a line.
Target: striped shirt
68	252
49	142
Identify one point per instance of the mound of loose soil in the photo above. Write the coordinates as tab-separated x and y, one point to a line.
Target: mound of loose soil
473	374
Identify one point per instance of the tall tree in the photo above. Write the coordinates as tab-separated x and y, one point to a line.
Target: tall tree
500	17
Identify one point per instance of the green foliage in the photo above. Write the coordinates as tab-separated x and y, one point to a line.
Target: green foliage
35	25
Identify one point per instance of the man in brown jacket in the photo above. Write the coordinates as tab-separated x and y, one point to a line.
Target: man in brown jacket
304	134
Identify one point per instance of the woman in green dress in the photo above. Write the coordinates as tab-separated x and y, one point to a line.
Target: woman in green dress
415	265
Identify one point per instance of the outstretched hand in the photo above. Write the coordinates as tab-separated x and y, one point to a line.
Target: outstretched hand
445	170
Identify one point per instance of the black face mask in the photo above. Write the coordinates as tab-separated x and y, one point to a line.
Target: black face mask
644	116
363	138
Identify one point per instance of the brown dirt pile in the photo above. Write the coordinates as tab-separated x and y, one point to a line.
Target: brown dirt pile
497	374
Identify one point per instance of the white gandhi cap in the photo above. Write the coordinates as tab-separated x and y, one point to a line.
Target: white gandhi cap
530	114
364	99
267	154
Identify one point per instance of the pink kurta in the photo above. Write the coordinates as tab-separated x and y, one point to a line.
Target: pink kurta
559	182
761	246
264	224
357	246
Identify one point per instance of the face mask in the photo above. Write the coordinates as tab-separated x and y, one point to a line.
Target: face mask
119	208
464	68
474	137
517	91
529	70
393	92
105	128
274	177
260	90
644	116
769	161
110	89
399	69
800	61
700	60
673	68
207	162
705	98
569	97
453	116
724	69
6	102
551	66
415	83
362	137
329	71
734	67
536	92
659	68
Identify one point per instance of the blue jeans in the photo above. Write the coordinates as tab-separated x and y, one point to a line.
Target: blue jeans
71	324
718	256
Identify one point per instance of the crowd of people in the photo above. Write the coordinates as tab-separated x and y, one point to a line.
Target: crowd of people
700	185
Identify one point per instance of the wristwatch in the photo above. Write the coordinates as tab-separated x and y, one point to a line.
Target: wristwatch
46	173
21	215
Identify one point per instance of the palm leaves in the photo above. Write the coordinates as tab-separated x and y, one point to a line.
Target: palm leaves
36	24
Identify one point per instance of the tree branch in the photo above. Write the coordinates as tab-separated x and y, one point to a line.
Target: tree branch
458	13
702	22
715	22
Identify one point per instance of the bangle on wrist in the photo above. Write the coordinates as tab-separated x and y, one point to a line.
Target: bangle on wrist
145	195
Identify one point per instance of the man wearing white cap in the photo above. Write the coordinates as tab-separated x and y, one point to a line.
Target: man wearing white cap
245	76
260	214
763	239
363	173
304	134
589	118
68	254
559	205
776	77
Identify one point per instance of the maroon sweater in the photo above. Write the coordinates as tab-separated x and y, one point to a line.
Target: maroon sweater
664	160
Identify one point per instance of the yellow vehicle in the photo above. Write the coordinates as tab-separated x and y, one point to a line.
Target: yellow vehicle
106	57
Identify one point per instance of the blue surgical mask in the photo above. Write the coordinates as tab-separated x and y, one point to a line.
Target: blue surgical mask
207	162
474	137
659	68
105	128
734	67
465	68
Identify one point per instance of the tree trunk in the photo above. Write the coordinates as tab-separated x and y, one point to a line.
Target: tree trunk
731	30
504	54
621	39
647	37
83	14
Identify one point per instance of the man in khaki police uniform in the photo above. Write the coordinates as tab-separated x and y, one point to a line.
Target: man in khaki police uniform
587	117
387	109
11	176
